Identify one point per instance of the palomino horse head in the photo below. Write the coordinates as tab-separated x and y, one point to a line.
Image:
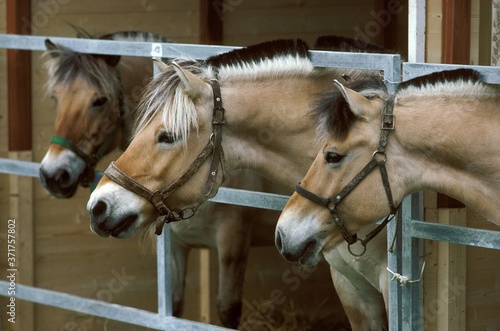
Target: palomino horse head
89	98
338	196
172	144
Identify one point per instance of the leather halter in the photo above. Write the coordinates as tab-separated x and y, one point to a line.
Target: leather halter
88	175
378	159
159	197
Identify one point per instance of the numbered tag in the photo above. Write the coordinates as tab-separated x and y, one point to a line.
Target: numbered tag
156	50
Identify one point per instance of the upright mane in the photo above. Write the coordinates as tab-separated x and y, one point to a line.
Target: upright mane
332	112
458	81
277	58
280	57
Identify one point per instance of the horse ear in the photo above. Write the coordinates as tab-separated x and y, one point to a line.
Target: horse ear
52	48
160	65
111	60
360	105
194	86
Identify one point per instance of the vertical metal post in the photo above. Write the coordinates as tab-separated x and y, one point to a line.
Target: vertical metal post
393	77
411	310
164	269
394	264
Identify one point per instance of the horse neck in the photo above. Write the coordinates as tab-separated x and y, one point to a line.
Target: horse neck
269	129
449	146
134	73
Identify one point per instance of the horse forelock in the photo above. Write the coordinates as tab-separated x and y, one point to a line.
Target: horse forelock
166	95
65	65
332	113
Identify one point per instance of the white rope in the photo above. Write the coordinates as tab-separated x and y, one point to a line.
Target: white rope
405	280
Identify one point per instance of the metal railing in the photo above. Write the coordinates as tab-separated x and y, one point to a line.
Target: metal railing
163	320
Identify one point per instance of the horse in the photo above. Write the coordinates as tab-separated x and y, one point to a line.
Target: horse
95	97
438	132
247	108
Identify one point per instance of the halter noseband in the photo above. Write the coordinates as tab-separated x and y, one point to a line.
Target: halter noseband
158	198
378	159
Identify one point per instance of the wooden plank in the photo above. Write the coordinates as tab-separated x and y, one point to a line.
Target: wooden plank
19	79
21	210
205	283
211	22
430	274
456	31
484	35
450	304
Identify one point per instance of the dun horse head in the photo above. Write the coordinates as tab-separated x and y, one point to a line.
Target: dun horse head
349	125
438	133
174	130
88	95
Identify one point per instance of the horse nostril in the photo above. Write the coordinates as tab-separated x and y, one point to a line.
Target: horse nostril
99	209
63	178
278	242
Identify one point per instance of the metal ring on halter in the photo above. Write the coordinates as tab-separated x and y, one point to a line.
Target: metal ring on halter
357	254
377	152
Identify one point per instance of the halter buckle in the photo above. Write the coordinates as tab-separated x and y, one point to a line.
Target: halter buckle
388	122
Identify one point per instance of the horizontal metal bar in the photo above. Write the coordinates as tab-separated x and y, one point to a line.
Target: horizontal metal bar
102	309
411	70
386	62
456	234
114	47
250	198
21	168
225	195
174	50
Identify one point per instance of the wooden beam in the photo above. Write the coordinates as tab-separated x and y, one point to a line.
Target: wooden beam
485	36
450	303
19	78
456	31
211	22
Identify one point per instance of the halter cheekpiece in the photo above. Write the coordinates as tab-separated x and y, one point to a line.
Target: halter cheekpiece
378	159
159	197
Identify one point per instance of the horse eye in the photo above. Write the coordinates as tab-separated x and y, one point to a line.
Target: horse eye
99	102
332	157
166	138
